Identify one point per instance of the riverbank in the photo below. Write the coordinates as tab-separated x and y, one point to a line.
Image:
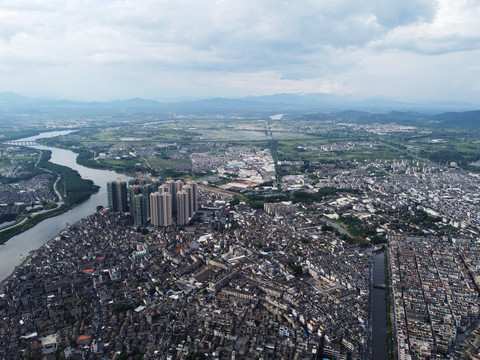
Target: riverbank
76	190
14	251
29	223
86	157
16	135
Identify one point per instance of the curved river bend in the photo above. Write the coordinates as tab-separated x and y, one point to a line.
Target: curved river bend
15	250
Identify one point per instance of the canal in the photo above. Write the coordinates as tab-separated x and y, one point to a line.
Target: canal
379	309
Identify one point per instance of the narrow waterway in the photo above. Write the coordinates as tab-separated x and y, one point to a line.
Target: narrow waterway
379	310
15	250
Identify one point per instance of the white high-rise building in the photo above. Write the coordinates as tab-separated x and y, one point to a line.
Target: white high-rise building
161	208
183	207
192	197
175	187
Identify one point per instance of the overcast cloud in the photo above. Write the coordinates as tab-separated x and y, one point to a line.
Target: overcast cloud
173	49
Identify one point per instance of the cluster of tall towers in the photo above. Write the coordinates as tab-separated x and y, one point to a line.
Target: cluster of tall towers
160	203
173	198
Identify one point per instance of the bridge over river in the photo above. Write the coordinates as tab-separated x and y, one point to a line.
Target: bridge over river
20	143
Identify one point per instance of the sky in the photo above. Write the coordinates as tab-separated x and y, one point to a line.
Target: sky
406	50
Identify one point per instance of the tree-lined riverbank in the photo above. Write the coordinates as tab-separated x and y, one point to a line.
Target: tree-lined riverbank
15	250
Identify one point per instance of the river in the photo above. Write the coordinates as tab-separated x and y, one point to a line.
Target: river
15	250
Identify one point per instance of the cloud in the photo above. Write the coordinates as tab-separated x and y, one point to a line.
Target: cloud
142	46
455	28
235	30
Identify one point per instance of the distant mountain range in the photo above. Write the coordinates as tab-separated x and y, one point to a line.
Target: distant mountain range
340	107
